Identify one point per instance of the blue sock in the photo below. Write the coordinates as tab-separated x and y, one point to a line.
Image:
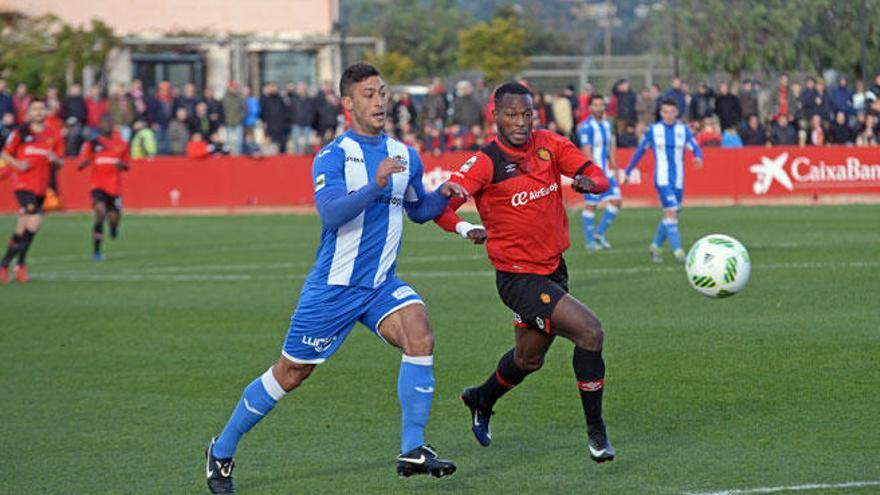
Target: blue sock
607	218
415	390
660	236
672	233
587	217
258	398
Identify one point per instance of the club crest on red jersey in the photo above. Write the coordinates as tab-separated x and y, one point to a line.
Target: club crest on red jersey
544	154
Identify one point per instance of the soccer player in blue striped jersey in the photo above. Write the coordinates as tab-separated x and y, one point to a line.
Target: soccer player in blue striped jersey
597	142
668	138
364	182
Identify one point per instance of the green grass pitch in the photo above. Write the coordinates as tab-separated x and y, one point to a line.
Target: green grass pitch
114	375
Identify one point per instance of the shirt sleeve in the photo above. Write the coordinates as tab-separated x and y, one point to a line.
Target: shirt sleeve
473	175
647	141
585	135
569	159
335	206
691	144
86	152
12	142
421	206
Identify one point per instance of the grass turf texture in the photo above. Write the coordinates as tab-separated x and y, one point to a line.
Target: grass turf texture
114	375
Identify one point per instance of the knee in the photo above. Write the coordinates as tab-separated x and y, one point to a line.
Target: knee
290	375
421	344
592	337
528	363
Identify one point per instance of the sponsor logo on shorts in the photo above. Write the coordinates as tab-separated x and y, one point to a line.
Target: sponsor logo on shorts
320	345
540	322
403	292
545	298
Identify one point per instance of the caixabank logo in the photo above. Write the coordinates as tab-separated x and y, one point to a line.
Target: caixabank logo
802	171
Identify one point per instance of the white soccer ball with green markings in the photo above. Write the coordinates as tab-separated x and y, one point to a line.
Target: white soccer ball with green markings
718	266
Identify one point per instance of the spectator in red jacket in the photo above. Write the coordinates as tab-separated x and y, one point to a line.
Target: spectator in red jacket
96	107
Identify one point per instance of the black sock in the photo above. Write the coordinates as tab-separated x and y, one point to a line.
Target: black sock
505	377
12	250
27	238
97	235
589	369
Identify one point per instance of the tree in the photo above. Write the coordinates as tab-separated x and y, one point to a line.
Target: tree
395	67
41	51
735	36
831	32
495	48
425	31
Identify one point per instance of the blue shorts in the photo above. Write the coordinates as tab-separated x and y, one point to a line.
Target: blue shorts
613	192
326	314
670	197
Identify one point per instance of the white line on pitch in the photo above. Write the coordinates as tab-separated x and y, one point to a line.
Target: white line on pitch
208	277
793	488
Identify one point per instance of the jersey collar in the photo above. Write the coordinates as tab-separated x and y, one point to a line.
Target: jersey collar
367	140
519	150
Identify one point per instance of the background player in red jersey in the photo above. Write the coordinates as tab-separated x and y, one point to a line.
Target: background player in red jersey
31	150
108	155
515	181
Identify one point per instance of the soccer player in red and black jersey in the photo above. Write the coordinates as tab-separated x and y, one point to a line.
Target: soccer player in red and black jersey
108	155
32	150
515	182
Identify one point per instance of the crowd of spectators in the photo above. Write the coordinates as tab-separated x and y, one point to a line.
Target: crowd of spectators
167	120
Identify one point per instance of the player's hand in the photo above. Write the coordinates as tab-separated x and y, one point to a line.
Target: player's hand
698	162
625	179
477	235
387	168
582	184
450	189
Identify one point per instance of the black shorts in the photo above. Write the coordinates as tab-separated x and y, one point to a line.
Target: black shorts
532	297
113	203
29	203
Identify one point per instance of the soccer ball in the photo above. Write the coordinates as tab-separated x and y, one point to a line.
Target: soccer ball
718	266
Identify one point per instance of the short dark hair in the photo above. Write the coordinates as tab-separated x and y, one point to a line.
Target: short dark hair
510	88
596	96
668	102
38	99
354	74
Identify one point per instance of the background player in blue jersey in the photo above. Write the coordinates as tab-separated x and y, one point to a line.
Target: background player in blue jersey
353	278
668	138
597	142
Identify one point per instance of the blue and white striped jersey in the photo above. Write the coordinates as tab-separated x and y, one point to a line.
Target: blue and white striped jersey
363	251
597	133
668	143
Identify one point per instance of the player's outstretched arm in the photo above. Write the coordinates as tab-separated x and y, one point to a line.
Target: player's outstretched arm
589	178
691	144
472	176
647	142
421	206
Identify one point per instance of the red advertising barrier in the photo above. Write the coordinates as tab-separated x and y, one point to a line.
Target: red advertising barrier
753	174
